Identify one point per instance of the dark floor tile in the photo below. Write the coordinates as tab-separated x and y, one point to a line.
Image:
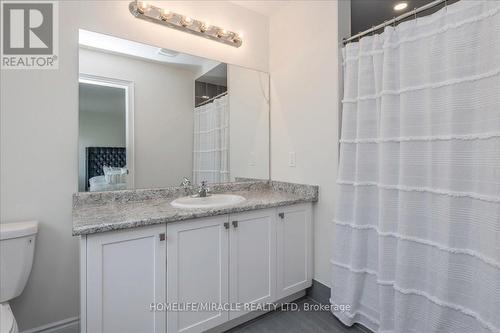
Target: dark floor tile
296	322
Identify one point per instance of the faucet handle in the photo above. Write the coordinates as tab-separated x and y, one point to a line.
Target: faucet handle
204	185
185	182
204	190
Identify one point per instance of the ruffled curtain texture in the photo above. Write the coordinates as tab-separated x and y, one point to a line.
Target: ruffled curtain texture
417	226
211	142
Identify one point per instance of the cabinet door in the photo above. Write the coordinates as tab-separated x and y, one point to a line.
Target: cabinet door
125	275
197	273
252	258
294	249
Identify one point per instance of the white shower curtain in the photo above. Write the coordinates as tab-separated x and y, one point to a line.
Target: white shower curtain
417	226
211	142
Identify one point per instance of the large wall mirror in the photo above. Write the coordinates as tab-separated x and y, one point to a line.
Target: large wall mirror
150	116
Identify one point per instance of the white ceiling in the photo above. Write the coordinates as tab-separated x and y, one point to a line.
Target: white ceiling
106	43
264	7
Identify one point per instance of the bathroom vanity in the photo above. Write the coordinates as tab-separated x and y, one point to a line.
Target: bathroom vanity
147	266
159	260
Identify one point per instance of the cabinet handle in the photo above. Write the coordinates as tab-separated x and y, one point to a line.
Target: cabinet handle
226	225
162	237
235	224
281	215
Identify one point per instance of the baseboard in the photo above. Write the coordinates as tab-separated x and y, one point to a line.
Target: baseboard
319	292
68	325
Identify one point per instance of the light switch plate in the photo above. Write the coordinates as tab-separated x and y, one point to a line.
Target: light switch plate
252	159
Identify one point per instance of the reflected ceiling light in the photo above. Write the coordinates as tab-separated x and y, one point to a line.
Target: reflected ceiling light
167	52
147	12
400	6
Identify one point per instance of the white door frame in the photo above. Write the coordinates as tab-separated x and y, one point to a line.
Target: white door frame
129	114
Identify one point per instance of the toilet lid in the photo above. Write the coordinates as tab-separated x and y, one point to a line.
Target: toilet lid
6	318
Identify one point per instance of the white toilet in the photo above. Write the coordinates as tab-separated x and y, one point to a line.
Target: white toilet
17	245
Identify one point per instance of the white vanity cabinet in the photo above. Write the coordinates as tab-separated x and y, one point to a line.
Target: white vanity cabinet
225	260
197	272
124	273
252	258
294	249
259	256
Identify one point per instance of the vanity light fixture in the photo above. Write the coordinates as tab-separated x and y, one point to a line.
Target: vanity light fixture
145	11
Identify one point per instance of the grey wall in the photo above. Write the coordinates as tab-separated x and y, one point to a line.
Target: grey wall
248	123
39	133
163	115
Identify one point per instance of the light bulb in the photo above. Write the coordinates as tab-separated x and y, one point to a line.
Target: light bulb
204	27
221	33
165	14
237	38
142	7
186	20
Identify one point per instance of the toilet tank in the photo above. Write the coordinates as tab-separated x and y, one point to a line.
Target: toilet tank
17	246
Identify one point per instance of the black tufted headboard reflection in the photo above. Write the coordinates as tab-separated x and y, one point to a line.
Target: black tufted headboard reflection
97	157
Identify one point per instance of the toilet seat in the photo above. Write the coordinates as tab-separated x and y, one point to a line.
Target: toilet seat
7	321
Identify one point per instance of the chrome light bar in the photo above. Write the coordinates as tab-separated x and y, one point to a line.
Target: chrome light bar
145	11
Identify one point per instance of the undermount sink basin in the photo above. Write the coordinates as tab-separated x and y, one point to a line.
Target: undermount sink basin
212	201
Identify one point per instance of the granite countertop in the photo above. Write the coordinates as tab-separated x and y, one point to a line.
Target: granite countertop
106	211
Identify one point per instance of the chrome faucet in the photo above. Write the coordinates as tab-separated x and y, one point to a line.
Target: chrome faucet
204	190
186	184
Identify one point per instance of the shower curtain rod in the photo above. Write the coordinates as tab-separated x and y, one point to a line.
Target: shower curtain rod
394	20
212	99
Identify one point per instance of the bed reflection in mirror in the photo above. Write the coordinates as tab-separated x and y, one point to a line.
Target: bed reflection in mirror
150	116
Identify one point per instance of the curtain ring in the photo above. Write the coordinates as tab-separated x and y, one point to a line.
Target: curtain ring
446	6
394	23
415	14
